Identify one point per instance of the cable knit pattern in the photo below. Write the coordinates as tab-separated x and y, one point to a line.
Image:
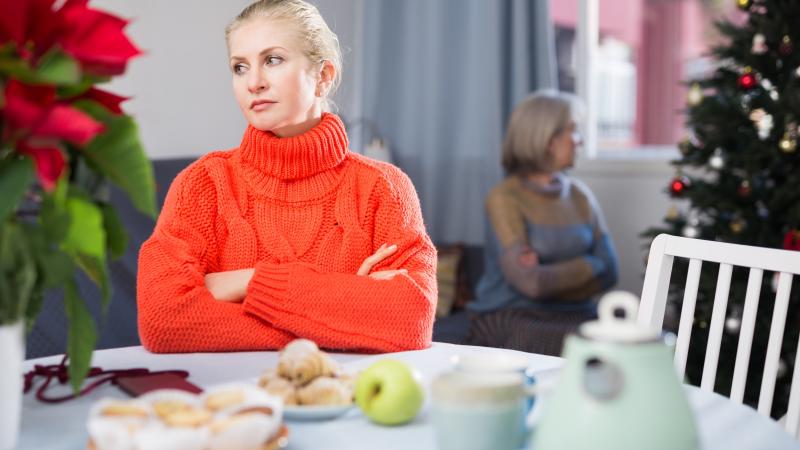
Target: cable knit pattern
305	213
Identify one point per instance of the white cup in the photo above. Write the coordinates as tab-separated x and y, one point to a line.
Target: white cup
480	411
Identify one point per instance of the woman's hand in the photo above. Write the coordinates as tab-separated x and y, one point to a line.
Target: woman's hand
229	286
528	258
382	253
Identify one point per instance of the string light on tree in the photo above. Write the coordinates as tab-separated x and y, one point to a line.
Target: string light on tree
743	4
734	322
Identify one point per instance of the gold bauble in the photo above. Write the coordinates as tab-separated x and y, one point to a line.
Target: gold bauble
737	226
787	144
695	95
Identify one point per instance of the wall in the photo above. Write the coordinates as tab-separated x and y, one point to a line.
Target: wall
181	87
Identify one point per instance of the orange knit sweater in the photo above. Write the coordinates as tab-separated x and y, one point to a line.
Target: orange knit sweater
305	213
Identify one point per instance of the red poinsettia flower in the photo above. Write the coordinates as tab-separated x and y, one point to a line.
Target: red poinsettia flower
110	100
49	161
95	38
34	111
33	114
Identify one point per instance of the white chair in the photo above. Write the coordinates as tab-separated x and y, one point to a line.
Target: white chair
664	249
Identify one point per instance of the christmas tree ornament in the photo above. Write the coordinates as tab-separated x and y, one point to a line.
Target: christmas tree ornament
717	161
791	240
685	146
733	324
763	122
690	231
748	80
672	213
738	225
759	44
770	89
744	5
788	143
786	47
783	369
679	185
744	189
695	95
762	210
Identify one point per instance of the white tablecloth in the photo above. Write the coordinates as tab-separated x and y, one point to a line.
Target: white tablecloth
722	423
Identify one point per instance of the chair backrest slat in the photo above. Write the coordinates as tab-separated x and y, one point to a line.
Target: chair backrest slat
660	264
663	251
687	315
774	343
747	326
715	329
793	411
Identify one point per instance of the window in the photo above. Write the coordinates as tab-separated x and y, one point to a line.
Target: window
628	59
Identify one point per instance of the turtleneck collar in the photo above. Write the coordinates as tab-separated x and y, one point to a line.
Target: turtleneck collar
558	187
317	150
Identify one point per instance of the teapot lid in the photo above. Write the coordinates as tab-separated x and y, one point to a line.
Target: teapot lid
608	327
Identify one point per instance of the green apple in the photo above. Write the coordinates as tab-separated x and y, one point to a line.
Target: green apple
389	392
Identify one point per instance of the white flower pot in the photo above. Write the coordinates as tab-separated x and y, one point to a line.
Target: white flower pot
12	353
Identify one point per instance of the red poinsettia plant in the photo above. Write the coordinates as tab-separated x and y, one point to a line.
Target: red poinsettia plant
62	141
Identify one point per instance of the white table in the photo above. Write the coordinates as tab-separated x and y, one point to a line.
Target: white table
722	423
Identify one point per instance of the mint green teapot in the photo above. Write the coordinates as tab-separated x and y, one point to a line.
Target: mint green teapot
618	389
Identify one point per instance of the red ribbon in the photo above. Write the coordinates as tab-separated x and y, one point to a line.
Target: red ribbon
59	372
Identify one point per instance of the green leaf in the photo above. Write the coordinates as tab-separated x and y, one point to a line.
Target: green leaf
86	241
118	154
82	336
16	176
85	234
116	237
57	67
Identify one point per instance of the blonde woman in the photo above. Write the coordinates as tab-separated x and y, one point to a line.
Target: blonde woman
289	234
548	253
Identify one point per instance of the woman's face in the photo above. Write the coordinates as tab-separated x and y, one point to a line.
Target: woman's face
564	146
277	87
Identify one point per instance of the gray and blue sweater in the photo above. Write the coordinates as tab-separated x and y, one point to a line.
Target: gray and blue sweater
563	225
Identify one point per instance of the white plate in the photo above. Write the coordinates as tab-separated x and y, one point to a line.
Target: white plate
322	412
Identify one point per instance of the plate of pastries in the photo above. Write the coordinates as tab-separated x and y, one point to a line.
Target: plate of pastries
310	383
230	416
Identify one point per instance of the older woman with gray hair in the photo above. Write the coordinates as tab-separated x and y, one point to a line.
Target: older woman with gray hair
548	253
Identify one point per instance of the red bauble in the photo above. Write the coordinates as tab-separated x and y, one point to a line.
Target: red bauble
679	185
786	47
747	81
791	241
745	189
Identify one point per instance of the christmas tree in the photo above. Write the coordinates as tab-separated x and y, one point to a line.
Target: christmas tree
738	180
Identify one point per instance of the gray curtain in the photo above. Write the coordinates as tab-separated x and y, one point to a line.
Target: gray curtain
440	78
